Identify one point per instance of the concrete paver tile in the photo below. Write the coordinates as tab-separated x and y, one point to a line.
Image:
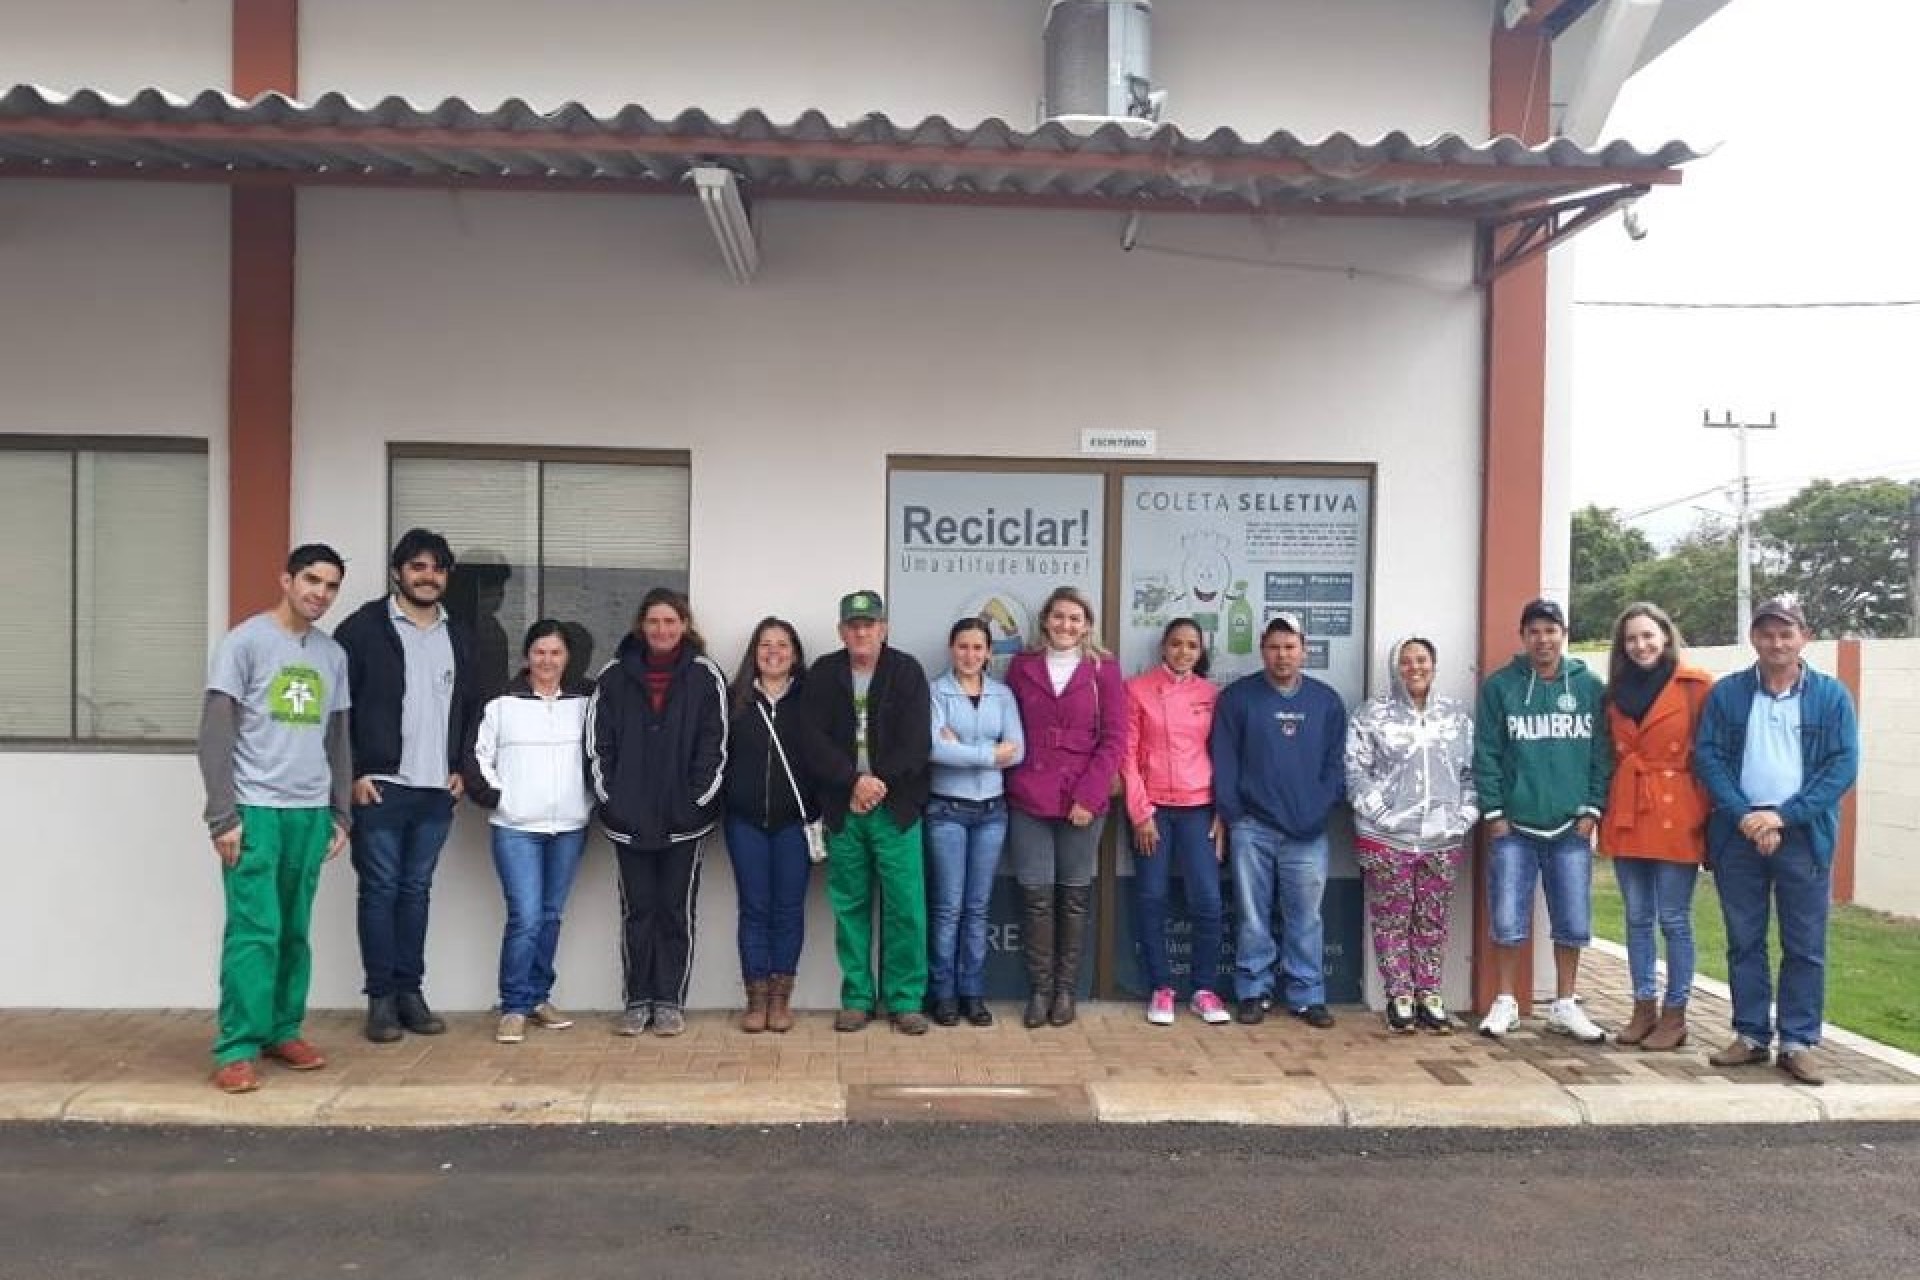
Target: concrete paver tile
1706	1102
1869	1102
697	1102
196	1102
34	1102
1440	1106
1259	1102
434	1105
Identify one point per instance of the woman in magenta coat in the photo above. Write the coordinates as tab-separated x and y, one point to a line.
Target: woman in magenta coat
1073	706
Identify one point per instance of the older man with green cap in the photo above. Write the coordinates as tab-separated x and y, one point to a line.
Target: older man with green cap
873	703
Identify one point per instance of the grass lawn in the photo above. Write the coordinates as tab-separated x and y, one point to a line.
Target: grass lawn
1873	960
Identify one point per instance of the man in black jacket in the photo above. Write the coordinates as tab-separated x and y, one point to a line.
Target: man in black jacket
873	703
410	668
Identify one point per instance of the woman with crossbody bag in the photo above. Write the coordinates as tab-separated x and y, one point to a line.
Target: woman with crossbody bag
770	816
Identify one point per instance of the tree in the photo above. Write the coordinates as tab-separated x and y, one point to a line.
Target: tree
1695	583
1842	550
1604	552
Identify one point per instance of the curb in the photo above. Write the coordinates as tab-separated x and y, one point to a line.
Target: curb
1310	1105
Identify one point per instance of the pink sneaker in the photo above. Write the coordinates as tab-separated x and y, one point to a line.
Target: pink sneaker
1210	1008
1160	1007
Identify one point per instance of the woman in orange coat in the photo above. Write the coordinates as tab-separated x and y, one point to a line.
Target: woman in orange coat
1655	823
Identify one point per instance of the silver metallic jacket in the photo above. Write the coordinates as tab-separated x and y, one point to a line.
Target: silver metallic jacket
1409	772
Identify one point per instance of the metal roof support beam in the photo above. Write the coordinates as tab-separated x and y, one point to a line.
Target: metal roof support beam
1533	232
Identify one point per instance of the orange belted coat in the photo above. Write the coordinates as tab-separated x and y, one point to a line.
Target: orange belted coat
1656	808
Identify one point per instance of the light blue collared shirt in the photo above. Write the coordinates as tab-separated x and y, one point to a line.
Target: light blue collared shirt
1771	768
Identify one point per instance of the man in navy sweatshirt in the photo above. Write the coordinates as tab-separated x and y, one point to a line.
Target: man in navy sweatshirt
1278	748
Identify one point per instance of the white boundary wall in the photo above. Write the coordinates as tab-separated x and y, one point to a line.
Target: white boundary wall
1886	870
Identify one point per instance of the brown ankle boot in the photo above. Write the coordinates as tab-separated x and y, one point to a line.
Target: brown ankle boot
1669	1033
780	1002
755	1020
1646	1013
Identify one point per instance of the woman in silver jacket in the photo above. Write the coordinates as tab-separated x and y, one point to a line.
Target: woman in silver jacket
1410	780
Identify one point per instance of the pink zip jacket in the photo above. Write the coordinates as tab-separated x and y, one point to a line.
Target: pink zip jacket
1076	739
1167	761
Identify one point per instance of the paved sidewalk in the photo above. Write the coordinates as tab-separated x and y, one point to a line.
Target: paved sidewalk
151	1067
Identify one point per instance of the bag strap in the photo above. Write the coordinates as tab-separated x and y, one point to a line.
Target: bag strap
781	751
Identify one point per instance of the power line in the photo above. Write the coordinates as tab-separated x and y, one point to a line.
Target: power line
1842	304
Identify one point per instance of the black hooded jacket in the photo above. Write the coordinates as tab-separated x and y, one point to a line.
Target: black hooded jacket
657	776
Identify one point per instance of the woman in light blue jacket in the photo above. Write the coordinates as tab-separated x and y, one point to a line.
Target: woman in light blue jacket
976	735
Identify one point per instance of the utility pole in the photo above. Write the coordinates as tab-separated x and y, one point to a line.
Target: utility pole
1743	498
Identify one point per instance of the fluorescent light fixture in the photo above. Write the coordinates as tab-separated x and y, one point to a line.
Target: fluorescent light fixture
720	200
1610	61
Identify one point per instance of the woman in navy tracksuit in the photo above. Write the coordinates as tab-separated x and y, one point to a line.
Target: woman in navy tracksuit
656	754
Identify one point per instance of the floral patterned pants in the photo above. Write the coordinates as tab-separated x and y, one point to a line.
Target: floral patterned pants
1407	899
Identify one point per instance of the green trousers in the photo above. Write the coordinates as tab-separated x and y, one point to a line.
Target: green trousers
265	961
871	851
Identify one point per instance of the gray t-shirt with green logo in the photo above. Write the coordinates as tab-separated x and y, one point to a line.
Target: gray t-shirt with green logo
286	686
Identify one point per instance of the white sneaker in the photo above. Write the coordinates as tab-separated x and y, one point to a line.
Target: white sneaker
1502	1018
1567	1018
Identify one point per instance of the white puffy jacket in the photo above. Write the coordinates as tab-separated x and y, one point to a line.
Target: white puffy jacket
530	758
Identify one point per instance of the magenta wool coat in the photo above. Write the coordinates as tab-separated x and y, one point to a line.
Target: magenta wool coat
1075	739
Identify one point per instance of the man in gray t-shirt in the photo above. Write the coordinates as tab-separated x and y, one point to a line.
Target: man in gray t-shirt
278	773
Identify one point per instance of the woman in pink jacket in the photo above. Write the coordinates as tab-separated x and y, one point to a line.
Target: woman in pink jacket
1074	709
1169	778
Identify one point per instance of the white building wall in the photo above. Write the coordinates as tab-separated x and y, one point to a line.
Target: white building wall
588	321
1365	66
606	321
116	324
117	46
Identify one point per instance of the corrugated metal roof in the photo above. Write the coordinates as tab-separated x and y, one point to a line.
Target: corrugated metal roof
332	139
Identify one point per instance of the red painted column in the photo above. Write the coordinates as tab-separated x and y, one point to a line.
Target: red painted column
1514	436
1848	660
260	329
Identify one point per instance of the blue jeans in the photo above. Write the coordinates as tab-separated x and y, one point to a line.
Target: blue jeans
1563	863
770	875
396	846
1799	887
964	839
1657	891
1272	869
536	871
1186	840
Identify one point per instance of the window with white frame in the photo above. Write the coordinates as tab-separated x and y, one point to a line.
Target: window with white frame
576	535
103	568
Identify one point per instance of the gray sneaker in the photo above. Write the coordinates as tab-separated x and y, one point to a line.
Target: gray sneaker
667	1020
545	1015
633	1021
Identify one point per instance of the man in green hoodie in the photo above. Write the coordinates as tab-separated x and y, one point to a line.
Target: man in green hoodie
1541	763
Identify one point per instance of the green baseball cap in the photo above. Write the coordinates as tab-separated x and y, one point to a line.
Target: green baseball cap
863	604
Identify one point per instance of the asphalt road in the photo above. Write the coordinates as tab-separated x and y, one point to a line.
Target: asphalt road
930	1200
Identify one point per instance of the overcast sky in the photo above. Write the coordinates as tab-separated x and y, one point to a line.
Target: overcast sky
1809	195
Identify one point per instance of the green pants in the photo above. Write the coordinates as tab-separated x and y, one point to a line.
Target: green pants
265	962
871	850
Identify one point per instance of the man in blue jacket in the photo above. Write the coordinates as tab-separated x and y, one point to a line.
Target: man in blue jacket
1279	766
1777	748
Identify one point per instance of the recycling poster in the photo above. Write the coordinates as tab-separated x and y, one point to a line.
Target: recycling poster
990	545
1232	551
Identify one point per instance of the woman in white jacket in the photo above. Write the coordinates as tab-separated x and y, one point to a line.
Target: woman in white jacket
528	765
